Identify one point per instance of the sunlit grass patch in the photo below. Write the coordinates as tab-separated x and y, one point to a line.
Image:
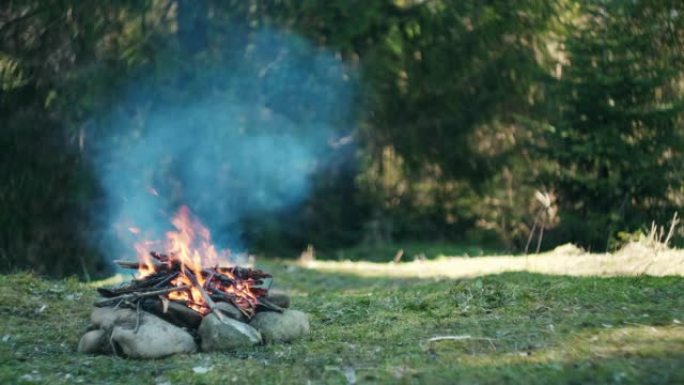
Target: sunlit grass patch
633	260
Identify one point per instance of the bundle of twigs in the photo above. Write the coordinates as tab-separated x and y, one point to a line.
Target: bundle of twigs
220	284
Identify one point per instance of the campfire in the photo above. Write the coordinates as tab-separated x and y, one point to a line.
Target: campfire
189	296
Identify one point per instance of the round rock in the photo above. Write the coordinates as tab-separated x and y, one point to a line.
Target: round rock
154	338
93	342
230	311
108	317
279	298
220	334
281	327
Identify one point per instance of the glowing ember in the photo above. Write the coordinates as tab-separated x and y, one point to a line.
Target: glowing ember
191	263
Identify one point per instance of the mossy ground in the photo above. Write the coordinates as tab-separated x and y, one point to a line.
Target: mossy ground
524	328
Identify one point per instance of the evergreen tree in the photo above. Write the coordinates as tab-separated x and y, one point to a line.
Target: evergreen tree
616	135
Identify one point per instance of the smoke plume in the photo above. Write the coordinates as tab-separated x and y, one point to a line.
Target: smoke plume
230	140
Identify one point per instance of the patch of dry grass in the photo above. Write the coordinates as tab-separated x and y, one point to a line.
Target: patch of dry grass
635	258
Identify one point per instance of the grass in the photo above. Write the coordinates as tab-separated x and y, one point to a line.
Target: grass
514	327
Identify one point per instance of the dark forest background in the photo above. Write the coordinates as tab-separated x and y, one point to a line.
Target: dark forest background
472	121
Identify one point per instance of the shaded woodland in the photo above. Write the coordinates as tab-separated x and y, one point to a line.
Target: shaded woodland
469	121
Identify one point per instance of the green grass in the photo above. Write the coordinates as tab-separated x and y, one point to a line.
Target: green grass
525	328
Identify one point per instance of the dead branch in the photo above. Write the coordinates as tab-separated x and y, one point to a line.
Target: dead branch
137	295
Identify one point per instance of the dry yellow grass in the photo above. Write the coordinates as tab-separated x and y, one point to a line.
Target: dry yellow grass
634	259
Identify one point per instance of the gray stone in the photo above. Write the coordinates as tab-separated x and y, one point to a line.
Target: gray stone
133	334
108	317
230	311
226	334
93	342
154	338
279	298
281	327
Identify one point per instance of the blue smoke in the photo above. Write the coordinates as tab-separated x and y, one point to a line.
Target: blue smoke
227	140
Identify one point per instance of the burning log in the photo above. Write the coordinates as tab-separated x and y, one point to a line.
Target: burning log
175	312
224	283
268	305
205	296
128	264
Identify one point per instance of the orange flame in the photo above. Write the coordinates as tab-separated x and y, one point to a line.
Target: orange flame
190	246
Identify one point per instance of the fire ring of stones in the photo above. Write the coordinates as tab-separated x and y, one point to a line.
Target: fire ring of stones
177	308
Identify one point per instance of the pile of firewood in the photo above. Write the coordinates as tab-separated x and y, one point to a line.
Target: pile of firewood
152	293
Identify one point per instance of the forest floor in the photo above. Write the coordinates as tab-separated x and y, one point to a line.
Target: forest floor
483	320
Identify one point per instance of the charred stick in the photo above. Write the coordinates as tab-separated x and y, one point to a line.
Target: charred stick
166	280
109	293
208	279
259	292
219	296
137	295
207	298
268	305
177	312
156	281
159	256
247	313
128	264
244	272
152	279
224	280
160	269
137	265
166	261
